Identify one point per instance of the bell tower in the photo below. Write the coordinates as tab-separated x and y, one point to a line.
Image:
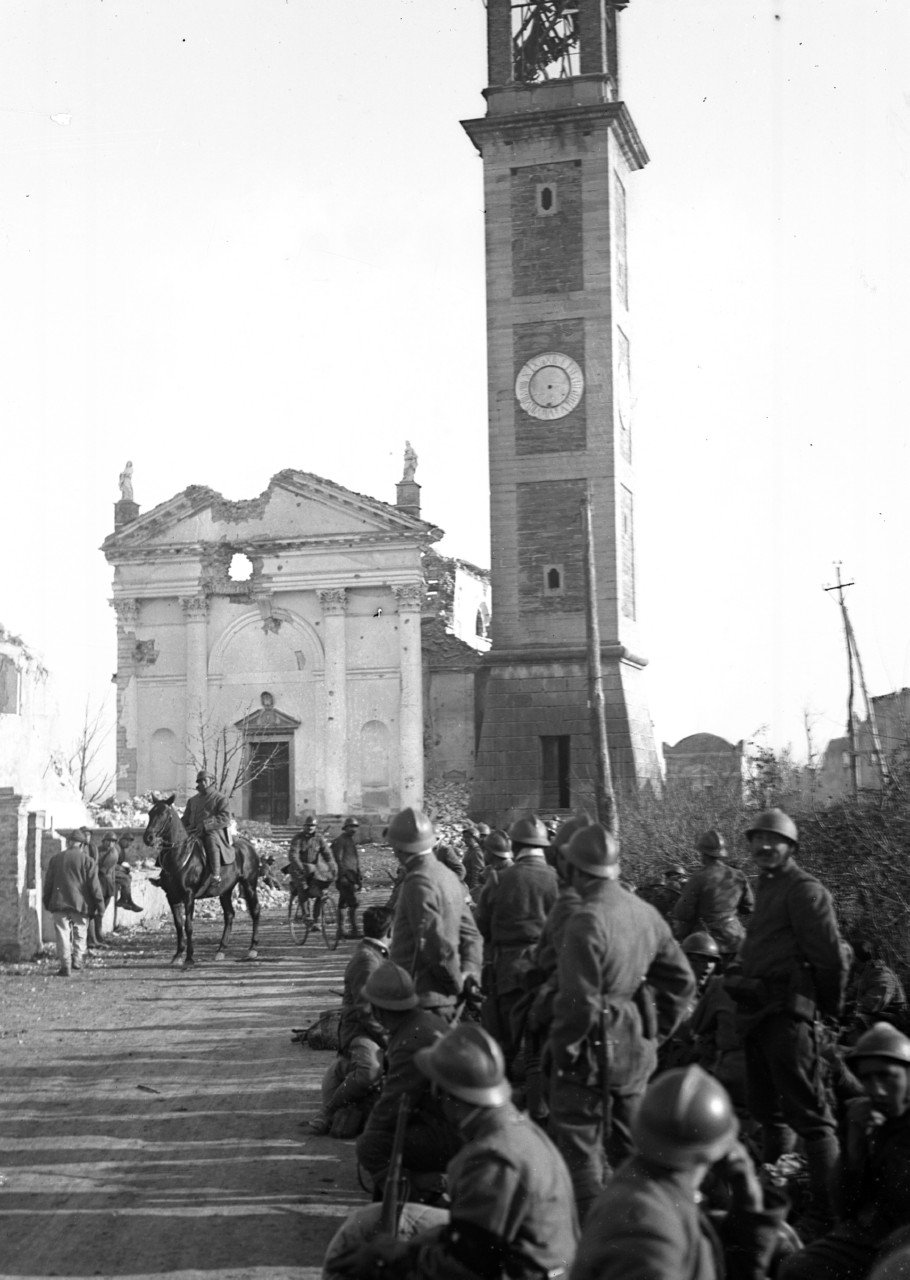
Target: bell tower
560	153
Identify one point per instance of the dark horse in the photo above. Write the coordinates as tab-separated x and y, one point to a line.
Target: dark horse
184	868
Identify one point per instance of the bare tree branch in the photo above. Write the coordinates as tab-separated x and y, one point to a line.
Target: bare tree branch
87	749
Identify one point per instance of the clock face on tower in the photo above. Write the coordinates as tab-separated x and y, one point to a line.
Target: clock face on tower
550	385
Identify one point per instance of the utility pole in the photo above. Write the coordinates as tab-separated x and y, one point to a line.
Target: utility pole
853	657
604	796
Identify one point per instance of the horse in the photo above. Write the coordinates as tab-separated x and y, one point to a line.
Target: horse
184	868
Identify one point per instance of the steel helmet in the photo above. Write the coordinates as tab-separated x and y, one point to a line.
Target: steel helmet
497	844
482	830
309	821
391	987
712	844
467	1063
411	831
529	831
882	1041
204	776
676	872
685	1118
565	833
595	850
775	821
350	824
701	944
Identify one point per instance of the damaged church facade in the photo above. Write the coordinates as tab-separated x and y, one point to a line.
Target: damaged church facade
311	633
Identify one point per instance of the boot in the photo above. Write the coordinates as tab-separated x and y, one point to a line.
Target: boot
126	903
821	1157
63	971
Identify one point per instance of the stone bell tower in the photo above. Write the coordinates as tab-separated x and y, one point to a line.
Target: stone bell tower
560	153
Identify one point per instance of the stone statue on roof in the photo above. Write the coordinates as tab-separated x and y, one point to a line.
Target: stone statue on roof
126	483
410	461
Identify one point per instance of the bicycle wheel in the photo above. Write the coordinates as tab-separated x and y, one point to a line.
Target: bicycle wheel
299	921
328	920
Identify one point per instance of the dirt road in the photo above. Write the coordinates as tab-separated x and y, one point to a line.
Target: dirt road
149	1116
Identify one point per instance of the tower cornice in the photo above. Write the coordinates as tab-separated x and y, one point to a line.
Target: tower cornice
535	124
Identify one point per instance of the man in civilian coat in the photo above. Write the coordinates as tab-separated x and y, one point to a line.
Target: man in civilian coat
72	894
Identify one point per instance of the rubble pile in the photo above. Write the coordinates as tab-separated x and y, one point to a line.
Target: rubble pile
447	804
122	813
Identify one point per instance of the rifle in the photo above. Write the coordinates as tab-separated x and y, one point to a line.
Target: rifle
394	1192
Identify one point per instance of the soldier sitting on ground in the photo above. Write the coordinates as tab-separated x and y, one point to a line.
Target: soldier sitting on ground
352	1082
430	1141
511	1199
664	894
874	992
873	1178
648	1224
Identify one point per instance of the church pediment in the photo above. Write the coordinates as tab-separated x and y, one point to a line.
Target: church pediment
296	509
267	722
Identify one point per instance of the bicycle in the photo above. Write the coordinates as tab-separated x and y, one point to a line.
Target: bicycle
302	918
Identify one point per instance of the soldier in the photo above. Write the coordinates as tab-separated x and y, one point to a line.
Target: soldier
665	896
874	1175
434	937
511	1197
108	857
793	970
623	985
715	898
647	1224
312	866
540	978
207	817
473	860
874	991
344	851
430	1142
511	919
357	1071
680	1050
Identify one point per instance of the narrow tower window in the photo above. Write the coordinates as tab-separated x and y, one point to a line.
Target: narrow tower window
546	199
555	792
552	580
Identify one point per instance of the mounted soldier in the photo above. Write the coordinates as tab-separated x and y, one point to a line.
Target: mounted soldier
208	818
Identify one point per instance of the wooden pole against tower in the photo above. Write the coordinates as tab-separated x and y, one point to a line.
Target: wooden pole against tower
604	796
853	656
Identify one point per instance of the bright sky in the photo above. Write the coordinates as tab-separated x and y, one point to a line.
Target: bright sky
242	236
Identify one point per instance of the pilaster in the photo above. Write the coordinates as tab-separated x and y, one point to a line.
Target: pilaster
127	611
410	719
334	603
195	613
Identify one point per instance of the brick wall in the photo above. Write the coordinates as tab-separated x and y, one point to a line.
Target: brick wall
20	879
547	241
525	702
550	533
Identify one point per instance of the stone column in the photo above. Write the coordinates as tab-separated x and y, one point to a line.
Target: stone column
127	611
410	711
195	612
334	606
